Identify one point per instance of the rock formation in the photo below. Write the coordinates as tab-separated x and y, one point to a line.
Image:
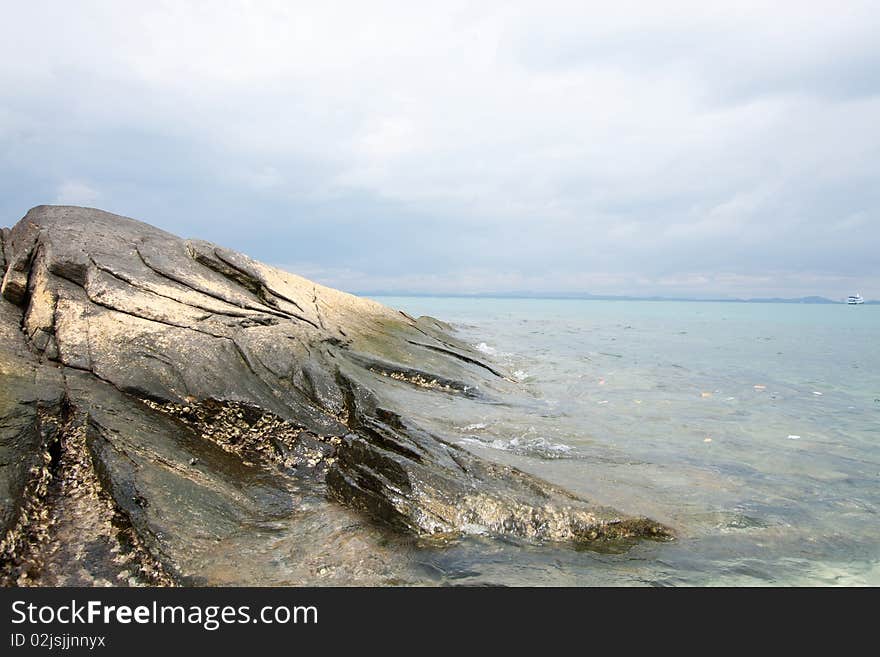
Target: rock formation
161	396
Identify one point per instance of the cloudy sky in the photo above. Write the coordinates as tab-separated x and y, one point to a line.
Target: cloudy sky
678	148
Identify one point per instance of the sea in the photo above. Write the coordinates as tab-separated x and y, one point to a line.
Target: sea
751	429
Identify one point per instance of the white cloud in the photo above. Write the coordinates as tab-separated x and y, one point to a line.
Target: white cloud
623	137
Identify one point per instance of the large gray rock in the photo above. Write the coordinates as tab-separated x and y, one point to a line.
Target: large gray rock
162	397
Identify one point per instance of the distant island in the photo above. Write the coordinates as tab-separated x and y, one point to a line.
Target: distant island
603	297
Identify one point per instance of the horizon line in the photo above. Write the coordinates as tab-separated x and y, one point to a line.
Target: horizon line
584	296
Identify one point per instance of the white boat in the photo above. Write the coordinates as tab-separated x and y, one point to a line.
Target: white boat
855	299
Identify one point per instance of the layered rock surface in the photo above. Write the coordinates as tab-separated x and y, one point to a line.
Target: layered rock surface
167	402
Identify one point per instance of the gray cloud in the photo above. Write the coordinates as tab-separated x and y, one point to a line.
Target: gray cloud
671	148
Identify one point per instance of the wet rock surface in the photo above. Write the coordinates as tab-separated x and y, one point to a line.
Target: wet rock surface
169	407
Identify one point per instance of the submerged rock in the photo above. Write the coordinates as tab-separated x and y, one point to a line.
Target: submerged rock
164	399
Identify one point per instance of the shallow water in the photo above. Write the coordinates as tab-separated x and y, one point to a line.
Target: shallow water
752	429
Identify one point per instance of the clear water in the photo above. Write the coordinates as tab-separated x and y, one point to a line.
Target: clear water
752	429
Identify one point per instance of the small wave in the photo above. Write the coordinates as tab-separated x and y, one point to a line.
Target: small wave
521	376
537	447
485	349
477	426
739	522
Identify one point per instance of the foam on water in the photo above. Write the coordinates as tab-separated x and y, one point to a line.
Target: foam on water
476	426
537	447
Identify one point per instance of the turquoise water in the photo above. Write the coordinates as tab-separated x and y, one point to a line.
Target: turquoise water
752	429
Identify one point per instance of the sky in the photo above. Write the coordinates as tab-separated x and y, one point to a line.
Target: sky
653	148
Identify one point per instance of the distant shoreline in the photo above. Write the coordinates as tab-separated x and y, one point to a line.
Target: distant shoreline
591	297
